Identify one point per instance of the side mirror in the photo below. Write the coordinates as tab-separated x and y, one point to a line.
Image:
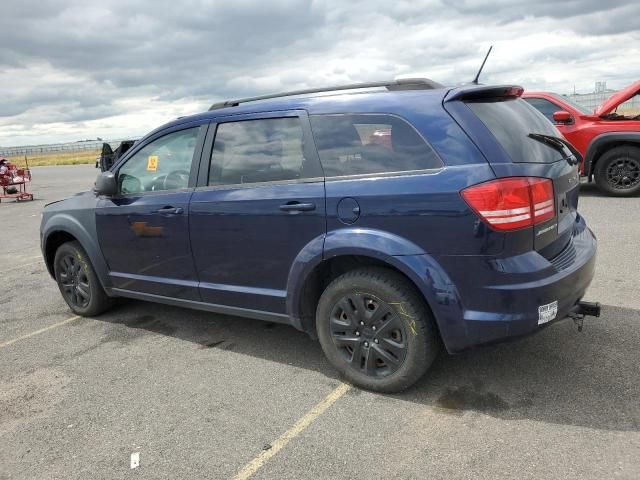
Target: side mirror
563	117
106	184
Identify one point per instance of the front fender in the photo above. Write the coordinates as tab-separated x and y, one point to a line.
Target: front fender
599	143
85	235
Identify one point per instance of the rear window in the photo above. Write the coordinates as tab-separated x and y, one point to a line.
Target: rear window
354	144
511	121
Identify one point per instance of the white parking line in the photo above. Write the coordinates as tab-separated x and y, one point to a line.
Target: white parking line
306	420
38	332
18	267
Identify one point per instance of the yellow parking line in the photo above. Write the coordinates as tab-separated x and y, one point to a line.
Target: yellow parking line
38	332
308	418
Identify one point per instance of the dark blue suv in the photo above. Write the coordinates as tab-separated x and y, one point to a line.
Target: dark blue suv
383	219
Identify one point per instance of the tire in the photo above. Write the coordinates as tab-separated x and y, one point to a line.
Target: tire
617	171
78	282
398	341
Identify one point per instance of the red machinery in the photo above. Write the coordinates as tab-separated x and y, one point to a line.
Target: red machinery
13	181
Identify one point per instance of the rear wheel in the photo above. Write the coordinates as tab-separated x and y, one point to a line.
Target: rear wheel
617	172
376	329
78	282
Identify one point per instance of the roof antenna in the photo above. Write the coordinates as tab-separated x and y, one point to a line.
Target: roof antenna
475	80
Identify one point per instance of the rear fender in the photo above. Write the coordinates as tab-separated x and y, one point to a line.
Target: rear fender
349	241
303	266
400	254
366	241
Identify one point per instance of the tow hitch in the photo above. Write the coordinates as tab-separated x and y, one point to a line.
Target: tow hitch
582	309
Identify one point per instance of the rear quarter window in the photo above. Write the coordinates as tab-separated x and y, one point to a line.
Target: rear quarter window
362	144
511	121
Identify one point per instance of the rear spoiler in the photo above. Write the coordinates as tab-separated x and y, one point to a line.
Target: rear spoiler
477	92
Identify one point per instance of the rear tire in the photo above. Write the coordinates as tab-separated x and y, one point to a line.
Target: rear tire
617	171
78	282
376	329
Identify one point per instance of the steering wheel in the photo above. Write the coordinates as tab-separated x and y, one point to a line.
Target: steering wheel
176	179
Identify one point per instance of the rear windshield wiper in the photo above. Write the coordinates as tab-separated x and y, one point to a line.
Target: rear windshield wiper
559	144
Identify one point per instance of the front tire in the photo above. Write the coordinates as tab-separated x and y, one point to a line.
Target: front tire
617	172
78	282
376	330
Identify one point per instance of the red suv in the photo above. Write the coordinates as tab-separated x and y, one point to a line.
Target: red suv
608	141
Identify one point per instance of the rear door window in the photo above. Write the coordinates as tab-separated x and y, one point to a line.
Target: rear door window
258	151
511	121
353	144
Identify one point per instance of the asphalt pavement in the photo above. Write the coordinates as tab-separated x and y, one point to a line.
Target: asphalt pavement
198	395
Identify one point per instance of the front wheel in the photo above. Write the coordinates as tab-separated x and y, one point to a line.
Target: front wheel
78	281
617	172
376	329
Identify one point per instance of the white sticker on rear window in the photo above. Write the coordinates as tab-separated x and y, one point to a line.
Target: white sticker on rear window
547	312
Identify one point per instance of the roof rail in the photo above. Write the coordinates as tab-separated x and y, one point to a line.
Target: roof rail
400	84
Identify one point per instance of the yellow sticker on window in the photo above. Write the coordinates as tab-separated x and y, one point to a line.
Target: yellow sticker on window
152	163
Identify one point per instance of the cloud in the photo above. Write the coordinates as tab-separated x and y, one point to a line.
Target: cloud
72	69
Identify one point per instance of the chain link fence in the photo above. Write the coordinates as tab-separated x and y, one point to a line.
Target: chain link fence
593	100
39	150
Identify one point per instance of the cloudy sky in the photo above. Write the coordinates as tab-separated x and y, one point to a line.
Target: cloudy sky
74	69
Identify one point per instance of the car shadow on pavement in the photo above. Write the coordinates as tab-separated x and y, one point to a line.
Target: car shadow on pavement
591	190
589	379
562	376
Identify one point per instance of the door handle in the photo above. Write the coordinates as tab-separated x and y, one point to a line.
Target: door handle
169	211
297	207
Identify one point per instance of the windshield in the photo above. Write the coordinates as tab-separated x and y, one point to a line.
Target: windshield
573	104
512	121
630	108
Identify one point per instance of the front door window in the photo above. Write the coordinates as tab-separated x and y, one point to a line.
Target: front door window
164	164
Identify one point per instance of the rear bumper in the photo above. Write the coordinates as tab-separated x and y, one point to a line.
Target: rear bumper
494	299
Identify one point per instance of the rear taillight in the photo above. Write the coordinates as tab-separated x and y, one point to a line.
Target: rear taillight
512	203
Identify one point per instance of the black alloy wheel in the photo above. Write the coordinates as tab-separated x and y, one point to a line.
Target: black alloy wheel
369	334
74	281
376	329
78	282
617	171
623	173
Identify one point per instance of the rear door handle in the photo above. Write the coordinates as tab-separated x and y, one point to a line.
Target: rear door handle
169	211
298	207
